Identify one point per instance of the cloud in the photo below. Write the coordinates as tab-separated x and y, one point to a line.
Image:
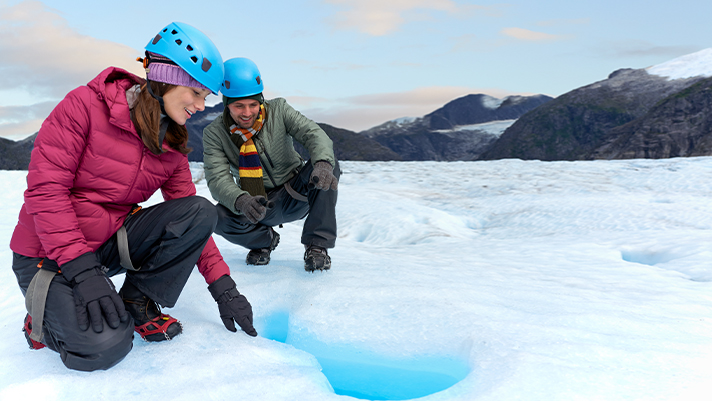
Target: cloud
638	49
530	36
358	113
473	43
41	54
565	22
379	17
42	59
17	122
329	67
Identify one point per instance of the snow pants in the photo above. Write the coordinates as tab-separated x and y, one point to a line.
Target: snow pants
317	205
165	242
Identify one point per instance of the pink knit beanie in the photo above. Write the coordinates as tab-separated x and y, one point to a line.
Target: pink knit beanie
162	69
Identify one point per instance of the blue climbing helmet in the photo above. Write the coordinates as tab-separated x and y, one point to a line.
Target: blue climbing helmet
191	50
242	78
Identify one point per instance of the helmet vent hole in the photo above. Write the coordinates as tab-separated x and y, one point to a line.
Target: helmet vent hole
178	42
195	59
189	48
206	65
173	32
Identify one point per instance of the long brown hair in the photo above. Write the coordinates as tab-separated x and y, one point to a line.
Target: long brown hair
146	116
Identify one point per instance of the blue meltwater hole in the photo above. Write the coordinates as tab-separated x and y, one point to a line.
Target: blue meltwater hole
365	374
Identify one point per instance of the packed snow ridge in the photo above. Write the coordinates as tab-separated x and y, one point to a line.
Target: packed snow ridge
492	102
697	64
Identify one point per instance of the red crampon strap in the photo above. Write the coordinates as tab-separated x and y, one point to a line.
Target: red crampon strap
27	328
144	329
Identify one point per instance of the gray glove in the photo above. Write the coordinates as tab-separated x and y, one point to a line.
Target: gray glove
323	177
253	207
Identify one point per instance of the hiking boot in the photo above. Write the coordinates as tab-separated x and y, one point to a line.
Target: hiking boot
149	322
316	258
260	256
27	328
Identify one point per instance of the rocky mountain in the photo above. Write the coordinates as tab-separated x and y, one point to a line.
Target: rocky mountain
195	127
460	130
679	125
632	113
15	155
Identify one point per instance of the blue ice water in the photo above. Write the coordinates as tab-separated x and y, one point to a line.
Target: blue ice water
367	375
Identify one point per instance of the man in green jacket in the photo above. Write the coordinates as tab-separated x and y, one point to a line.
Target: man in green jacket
259	179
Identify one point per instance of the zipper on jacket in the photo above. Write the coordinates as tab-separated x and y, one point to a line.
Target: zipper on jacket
263	151
138	172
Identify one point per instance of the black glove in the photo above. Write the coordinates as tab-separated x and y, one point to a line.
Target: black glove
253	207
232	305
323	176
94	294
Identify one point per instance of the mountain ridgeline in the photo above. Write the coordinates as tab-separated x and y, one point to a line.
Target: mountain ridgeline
631	114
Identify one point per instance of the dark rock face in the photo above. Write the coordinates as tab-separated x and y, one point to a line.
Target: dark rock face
680	125
15	155
574	125
477	109
195	127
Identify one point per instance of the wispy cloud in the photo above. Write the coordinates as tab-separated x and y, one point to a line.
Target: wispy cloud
43	55
379	17
565	22
42	59
473	43
329	67
530	36
17	122
637	49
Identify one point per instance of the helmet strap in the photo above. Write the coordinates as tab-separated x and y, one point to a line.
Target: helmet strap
162	132
159	98
164	118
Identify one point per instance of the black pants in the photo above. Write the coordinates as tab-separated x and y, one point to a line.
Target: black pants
320	211
165	242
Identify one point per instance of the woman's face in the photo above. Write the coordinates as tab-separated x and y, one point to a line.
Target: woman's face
182	102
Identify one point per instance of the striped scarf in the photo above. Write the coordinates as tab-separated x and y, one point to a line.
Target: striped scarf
249	166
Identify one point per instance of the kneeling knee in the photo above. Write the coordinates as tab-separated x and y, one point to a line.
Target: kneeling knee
100	351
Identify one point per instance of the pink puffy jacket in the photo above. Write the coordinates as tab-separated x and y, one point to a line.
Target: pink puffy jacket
88	167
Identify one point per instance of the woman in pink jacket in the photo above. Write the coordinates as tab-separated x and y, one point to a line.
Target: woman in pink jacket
106	147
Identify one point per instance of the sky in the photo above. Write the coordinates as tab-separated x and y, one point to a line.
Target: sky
353	64
518	280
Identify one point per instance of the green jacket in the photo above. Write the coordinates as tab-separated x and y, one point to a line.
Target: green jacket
280	162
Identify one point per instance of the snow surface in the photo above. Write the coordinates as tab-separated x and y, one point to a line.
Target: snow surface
492	102
549	280
404	120
687	66
496	127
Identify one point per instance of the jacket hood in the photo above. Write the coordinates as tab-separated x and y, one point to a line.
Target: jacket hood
111	86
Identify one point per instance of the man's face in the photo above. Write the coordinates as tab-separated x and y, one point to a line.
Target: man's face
244	112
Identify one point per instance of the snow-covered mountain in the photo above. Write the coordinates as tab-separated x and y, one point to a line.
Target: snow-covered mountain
657	112
698	64
460	130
